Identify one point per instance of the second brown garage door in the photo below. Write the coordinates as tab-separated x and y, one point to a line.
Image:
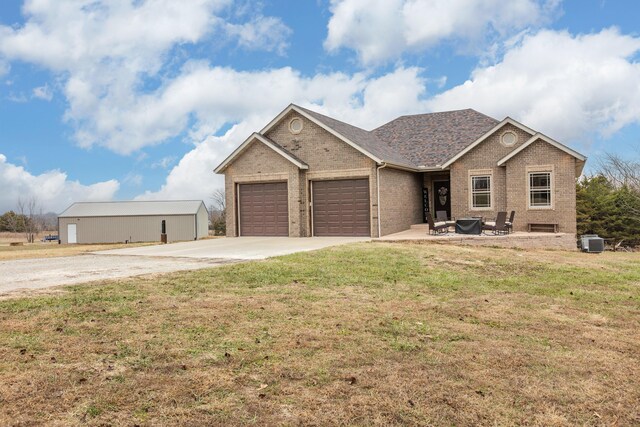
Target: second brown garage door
341	208
264	209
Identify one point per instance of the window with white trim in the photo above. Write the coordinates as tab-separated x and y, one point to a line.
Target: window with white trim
539	189
481	191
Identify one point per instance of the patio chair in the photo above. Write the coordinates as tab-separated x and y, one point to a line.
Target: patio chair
439	227
441	216
499	226
509	222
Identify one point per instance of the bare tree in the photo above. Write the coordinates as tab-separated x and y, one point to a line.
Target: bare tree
218	211
623	173
219	201
29	209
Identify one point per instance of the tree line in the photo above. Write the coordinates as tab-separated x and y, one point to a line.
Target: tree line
608	202
27	218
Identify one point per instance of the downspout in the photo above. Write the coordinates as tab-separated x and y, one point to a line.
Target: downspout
382	166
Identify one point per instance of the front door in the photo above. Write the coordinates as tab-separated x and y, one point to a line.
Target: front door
442	197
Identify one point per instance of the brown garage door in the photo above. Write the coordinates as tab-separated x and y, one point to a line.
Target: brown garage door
341	208
264	209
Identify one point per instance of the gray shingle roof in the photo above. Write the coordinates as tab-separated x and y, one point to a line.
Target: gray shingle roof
419	140
132	208
432	139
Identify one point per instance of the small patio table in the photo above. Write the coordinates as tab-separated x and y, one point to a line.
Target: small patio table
469	226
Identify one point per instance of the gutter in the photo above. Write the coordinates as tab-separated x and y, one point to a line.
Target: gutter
382	166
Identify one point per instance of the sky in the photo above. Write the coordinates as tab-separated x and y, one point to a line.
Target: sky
142	99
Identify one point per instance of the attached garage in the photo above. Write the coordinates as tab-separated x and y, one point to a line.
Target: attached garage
133	221
341	207
263	209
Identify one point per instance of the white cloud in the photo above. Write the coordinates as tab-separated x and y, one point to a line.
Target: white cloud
358	99
134	179
43	92
163	163
52	189
566	86
262	33
4	68
379	30
104	51
20	97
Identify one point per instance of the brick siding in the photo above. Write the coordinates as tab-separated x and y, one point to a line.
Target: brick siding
400	200
563	189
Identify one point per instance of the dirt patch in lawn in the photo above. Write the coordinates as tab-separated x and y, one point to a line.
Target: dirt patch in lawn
366	334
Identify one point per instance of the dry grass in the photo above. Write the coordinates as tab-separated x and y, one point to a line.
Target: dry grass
51	249
8	237
367	334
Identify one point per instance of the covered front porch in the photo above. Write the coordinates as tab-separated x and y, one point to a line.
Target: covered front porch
518	239
436	193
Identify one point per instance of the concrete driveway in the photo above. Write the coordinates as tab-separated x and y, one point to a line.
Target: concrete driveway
237	248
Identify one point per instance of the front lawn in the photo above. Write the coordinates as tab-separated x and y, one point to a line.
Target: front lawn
365	334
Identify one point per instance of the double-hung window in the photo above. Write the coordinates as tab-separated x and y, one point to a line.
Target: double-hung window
481	191
540	190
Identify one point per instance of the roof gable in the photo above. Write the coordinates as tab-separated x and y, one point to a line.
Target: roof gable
266	141
363	141
487	134
541	137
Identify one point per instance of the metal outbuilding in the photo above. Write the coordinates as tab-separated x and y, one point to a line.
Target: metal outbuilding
133	221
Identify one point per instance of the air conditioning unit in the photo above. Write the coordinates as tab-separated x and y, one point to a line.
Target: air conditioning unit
592	243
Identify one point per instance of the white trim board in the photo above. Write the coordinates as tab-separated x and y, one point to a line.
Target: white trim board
256	136
507	120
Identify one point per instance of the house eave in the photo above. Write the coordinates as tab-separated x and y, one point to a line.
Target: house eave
256	136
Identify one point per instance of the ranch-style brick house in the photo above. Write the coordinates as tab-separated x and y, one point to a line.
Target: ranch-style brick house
306	174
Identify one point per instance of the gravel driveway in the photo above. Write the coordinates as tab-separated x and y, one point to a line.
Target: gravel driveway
47	272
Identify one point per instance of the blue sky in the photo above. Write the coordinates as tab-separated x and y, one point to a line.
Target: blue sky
130	99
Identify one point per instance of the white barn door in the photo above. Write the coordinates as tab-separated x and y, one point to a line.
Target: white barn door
71	233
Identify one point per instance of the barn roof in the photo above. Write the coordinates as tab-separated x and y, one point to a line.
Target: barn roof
132	208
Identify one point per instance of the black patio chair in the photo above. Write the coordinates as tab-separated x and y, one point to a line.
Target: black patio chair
498	227
439	227
509	222
441	216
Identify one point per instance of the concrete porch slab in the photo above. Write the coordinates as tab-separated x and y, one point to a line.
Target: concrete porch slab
518	239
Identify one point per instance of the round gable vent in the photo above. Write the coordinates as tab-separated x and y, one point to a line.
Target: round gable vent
295	125
509	138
